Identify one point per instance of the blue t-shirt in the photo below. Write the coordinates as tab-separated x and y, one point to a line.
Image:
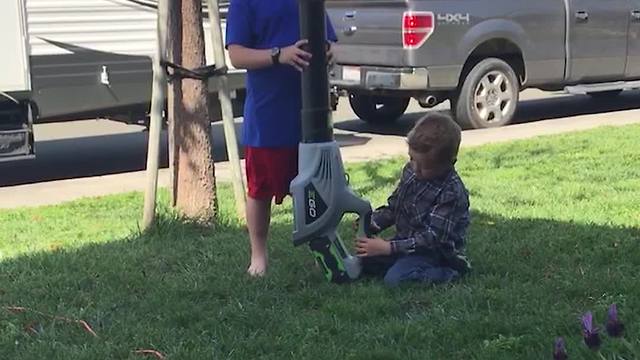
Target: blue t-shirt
274	99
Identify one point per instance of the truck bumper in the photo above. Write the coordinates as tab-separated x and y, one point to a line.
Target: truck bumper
379	78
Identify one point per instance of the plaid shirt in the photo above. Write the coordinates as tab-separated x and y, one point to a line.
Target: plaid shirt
431	217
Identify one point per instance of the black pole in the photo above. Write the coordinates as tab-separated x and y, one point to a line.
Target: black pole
316	111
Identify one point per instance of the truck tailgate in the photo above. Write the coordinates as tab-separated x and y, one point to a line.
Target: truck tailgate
369	31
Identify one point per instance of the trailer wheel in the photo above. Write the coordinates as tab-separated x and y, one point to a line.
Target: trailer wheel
378	109
488	96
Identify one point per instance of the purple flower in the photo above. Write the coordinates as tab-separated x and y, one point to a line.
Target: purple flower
559	350
589	332
615	327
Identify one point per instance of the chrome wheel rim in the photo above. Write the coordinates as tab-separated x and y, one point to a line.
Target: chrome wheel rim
493	97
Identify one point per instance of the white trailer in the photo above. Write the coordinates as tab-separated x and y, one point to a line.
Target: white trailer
76	59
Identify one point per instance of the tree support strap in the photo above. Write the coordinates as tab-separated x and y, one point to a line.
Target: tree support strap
201	73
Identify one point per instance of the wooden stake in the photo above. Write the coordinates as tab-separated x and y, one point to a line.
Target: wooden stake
224	95
155	125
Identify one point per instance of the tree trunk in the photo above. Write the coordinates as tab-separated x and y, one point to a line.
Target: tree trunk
196	190
174	55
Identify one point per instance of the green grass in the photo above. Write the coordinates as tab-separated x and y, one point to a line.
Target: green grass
555	230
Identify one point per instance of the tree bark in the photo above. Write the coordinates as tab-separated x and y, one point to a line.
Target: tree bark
174	55
196	190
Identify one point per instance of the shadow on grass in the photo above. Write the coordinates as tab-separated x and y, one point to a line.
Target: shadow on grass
181	290
373	177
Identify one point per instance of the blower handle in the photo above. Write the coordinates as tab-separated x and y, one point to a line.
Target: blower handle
364	225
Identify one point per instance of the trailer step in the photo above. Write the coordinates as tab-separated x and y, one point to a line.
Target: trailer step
16	132
602	87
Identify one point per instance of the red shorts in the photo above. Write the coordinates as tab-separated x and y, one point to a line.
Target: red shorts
270	171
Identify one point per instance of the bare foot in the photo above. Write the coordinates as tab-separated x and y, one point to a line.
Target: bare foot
258	267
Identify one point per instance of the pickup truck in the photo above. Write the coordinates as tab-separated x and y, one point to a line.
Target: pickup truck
480	54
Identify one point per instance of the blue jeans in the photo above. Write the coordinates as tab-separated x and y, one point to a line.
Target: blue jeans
414	268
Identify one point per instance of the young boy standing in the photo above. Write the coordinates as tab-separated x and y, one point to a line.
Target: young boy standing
429	209
263	37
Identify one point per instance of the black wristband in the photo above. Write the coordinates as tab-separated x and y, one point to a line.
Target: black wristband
275	55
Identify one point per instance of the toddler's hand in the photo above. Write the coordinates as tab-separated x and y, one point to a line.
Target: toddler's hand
372	247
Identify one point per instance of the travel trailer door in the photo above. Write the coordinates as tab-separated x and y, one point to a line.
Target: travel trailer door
16	113
14	76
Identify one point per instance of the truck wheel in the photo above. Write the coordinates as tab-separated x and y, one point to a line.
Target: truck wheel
489	95
378	109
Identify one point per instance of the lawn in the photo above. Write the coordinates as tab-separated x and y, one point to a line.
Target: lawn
555	230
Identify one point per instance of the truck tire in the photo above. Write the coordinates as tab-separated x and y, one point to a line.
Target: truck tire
378	109
488	96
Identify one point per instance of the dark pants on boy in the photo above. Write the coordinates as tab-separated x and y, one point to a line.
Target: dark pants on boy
409	268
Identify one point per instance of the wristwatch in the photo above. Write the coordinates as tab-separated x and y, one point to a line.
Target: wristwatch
275	55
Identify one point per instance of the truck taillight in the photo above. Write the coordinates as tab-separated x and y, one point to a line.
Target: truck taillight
417	26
